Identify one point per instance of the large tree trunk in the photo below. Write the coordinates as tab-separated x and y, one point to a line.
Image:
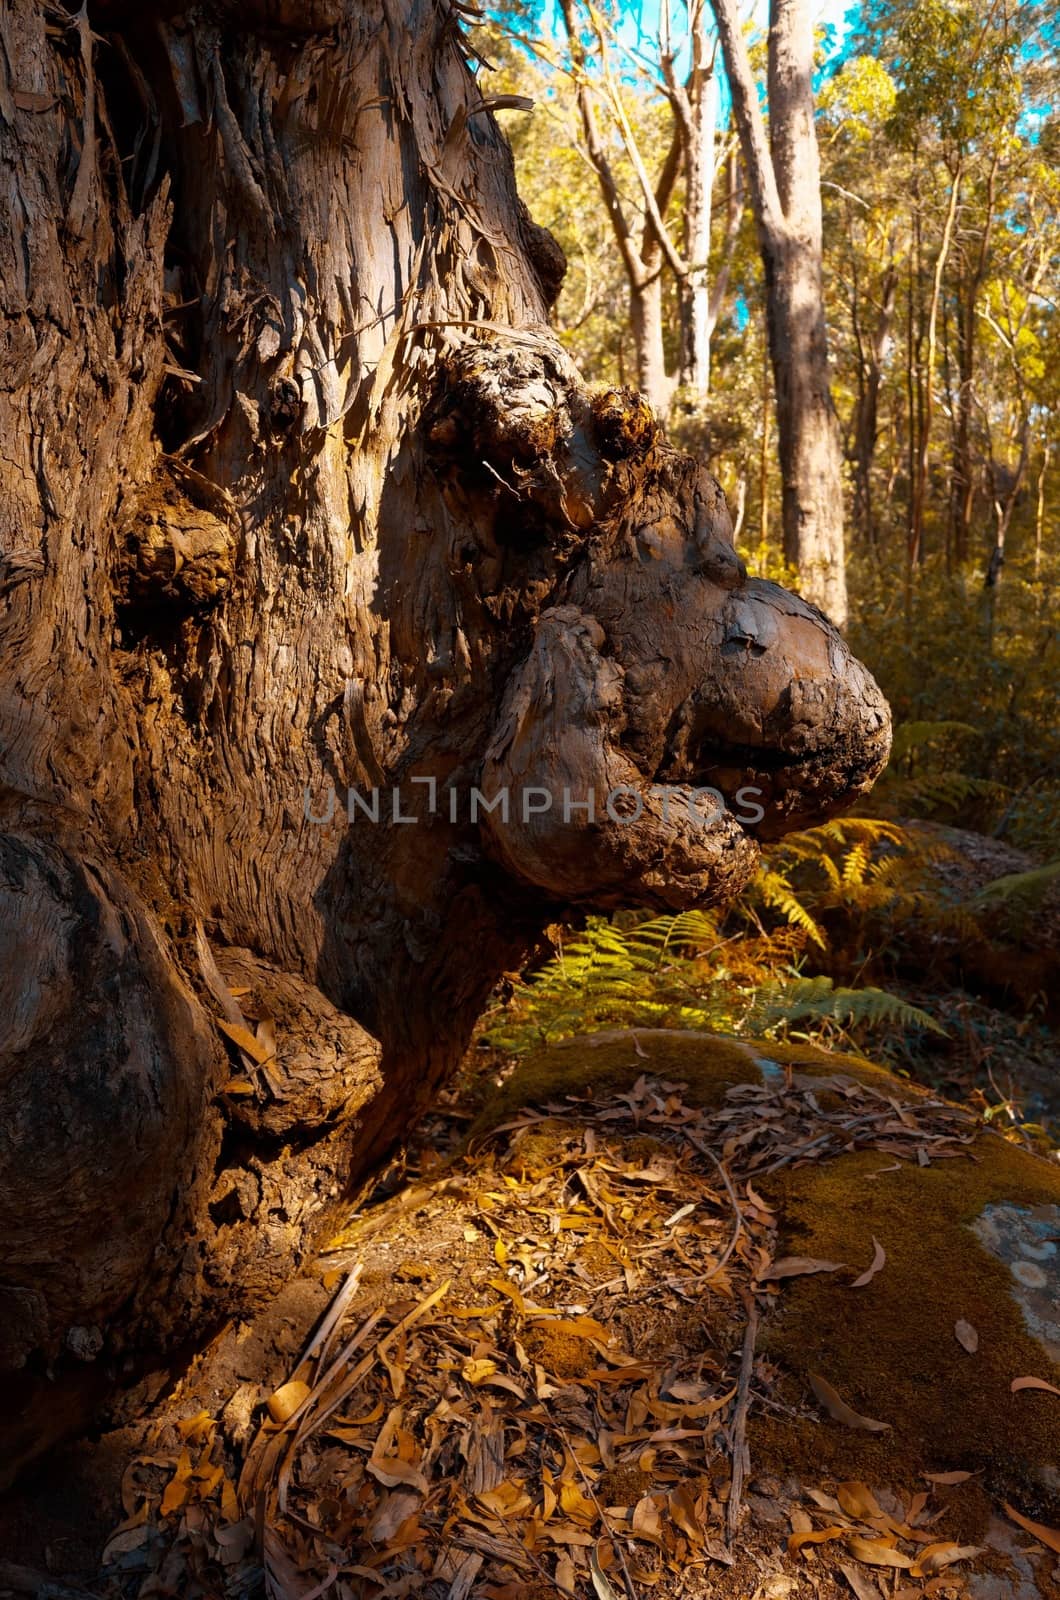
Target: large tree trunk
306	510
807	426
783	170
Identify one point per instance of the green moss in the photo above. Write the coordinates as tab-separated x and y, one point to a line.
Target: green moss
606	1063
811	1061
889	1348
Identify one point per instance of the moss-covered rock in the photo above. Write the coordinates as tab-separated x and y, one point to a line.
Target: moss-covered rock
890	1348
599	1063
970	1239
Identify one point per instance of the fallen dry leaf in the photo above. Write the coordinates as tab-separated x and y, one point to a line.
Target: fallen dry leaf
879	1260
1047	1536
178	1489
967	1337
256	1048
813	1536
508	1499
796	1267
877	1552
478	1370
1033	1383
863	1587
601	1585
936	1556
947	1477
857	1500
287	1398
838	1409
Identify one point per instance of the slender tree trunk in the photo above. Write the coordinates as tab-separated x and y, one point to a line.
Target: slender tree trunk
920	488
647	328
872	355
764	449
1039	514
699	163
784	180
969	290
914	393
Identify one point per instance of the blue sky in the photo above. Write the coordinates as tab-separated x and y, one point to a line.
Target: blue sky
642	16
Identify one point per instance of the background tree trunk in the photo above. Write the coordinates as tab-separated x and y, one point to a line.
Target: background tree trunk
299	489
784	179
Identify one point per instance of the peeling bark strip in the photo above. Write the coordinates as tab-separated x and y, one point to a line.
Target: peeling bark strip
300	491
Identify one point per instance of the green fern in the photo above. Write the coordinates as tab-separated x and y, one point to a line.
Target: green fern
771	888
804	999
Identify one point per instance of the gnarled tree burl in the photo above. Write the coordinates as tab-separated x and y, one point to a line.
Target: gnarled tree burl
301	496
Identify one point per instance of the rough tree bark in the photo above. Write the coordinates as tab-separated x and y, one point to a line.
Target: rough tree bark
302	497
783	170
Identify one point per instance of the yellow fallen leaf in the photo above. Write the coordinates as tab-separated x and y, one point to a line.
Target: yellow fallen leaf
826	1502
508	1499
647	1524
566	1574
858	1500
1047	1536
478	1369
934	1557
879	1260
197	1428
681	1503
1033	1383
876	1552
575	1504
837	1407
229	1501
502	1286
287	1398
178	1489
254	1047
813	1536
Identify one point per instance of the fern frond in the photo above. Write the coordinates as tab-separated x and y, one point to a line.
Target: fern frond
804	998
775	891
856	865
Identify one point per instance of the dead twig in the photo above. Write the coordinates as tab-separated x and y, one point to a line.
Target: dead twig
741	1456
705	1150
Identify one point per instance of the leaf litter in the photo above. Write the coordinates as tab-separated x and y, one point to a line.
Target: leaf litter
555	1400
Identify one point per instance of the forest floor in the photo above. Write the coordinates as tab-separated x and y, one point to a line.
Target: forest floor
548	1357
